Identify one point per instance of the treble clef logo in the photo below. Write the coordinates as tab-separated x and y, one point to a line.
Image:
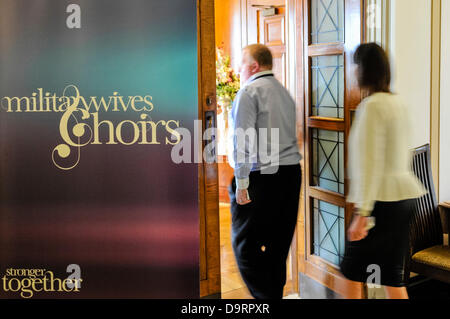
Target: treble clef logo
63	150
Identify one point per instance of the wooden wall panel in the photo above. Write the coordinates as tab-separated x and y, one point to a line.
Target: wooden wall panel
228	28
228	35
226	174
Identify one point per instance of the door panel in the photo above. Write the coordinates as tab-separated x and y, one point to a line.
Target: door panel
271	32
274	30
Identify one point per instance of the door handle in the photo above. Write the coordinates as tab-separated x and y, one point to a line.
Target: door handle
210	136
209	101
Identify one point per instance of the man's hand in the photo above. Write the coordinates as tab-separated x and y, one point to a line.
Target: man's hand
358	228
242	197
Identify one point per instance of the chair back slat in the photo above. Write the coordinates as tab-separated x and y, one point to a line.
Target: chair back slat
426	228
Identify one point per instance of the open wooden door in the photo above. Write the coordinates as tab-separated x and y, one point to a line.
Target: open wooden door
332	31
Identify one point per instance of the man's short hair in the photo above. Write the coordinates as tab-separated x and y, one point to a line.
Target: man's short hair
261	54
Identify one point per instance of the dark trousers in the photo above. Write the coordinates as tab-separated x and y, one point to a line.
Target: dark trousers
262	231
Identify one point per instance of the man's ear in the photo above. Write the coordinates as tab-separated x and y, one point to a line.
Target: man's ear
255	67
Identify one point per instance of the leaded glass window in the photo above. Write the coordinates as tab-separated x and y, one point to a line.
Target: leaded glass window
327	85
327	21
328	160
329	231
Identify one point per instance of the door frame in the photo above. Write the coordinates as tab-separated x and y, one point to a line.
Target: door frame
208	186
294	50
208	183
297	58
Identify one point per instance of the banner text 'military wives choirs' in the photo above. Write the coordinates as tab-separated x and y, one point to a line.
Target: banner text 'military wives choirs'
80	123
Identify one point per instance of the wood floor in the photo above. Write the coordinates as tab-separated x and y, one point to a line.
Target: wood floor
232	285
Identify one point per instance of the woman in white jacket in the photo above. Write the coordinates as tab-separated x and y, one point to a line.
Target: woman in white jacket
382	184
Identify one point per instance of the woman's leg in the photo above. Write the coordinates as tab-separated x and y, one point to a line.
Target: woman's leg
396	292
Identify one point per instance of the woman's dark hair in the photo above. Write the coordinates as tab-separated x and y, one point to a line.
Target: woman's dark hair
374	67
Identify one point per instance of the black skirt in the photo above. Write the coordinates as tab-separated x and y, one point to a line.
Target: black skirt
384	250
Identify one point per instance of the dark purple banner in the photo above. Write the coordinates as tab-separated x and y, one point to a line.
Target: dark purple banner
92	204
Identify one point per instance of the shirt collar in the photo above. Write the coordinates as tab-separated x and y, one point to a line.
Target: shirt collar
256	75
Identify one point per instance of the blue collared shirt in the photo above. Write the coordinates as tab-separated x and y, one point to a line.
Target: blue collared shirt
263	105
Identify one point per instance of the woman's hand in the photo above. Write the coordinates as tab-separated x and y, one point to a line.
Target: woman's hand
358	228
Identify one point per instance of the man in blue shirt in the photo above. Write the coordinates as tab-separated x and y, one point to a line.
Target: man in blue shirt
266	160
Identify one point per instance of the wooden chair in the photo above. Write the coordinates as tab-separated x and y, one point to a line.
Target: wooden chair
428	255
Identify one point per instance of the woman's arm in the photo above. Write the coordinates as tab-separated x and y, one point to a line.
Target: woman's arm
369	163
370	156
